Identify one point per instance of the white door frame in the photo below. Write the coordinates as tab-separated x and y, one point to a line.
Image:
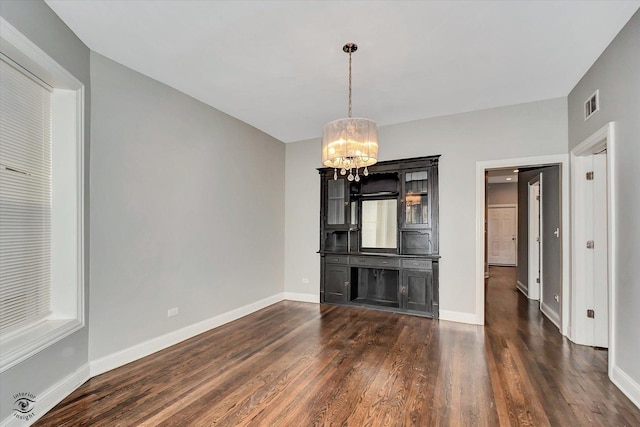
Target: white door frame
603	138
481	167
515	208
535	259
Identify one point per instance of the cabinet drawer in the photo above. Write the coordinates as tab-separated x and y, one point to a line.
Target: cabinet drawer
375	262
335	259
418	264
358	260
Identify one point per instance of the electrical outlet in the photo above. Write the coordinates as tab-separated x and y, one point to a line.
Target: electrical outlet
172	312
305	280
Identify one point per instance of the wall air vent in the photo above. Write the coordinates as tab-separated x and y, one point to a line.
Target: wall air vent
592	105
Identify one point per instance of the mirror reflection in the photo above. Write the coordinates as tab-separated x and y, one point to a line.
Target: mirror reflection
380	224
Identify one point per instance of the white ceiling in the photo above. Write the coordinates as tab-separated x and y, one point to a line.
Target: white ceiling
279	65
501	176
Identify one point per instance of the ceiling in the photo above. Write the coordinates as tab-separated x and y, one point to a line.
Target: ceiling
279	65
502	176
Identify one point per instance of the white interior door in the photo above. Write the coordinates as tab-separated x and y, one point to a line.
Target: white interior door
592	289
600	255
535	277
502	235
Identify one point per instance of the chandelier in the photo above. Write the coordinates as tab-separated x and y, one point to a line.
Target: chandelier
351	143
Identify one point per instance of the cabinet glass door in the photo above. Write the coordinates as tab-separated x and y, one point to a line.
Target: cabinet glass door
336	201
416	198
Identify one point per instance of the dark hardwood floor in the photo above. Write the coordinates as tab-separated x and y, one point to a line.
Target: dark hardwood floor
298	364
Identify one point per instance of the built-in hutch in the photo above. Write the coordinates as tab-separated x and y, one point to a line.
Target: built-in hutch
379	237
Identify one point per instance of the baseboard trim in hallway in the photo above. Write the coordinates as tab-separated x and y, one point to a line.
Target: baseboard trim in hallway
522	288
550	314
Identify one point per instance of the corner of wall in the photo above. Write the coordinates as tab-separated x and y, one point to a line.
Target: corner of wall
625	383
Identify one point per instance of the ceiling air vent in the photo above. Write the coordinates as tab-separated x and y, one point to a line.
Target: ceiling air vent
591	105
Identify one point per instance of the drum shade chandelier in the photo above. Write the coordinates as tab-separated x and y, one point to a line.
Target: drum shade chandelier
351	143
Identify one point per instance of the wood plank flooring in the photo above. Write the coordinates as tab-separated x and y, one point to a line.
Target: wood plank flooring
298	364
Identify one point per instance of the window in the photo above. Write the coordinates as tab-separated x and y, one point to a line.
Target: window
41	200
25	198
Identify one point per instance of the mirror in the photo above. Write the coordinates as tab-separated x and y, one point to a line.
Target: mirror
380	224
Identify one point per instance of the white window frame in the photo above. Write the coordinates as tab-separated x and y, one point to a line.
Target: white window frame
67	214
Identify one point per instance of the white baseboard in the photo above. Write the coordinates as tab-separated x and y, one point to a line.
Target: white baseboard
295	296
550	314
460	317
522	288
626	384
153	345
51	397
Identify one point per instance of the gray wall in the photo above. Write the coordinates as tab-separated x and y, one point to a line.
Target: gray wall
617	75
187	210
503	194
37	22
533	129
551	219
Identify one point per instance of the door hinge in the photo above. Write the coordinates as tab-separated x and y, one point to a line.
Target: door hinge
591	314
537	280
590	244
537	197
590	176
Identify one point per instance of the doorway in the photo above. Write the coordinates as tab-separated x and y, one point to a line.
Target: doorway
560	196
539	278
592	274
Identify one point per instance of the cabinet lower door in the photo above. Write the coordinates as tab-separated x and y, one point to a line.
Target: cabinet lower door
336	283
417	287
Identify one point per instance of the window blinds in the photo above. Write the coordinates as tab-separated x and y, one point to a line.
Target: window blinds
25	199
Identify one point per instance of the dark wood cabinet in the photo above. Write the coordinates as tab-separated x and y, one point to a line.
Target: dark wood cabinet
416	290
379	237
336	283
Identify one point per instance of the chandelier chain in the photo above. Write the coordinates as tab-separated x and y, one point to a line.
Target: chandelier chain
350	84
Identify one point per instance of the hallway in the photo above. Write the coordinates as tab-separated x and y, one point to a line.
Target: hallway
561	383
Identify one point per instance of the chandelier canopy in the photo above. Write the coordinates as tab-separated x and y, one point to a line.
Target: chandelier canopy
351	143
